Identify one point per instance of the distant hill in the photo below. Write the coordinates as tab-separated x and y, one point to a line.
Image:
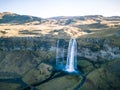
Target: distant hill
66	20
7	17
12	24
78	17
86	17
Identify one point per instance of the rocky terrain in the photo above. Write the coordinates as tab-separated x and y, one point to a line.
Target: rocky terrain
28	52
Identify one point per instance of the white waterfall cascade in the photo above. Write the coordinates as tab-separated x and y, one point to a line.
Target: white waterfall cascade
71	65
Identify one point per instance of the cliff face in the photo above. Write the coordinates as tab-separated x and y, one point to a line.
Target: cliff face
99	49
93	49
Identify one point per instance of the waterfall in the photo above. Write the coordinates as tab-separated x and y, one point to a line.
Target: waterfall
57	53
60	55
71	64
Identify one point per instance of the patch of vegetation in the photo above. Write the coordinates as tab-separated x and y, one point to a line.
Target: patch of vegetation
29	32
3	32
40	73
7	29
9	86
101	34
62	83
97	25
24	60
85	66
104	78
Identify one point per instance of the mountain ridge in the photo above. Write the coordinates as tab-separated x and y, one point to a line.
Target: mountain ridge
9	17
12	24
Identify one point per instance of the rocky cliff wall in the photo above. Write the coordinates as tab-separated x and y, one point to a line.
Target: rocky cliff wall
89	48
